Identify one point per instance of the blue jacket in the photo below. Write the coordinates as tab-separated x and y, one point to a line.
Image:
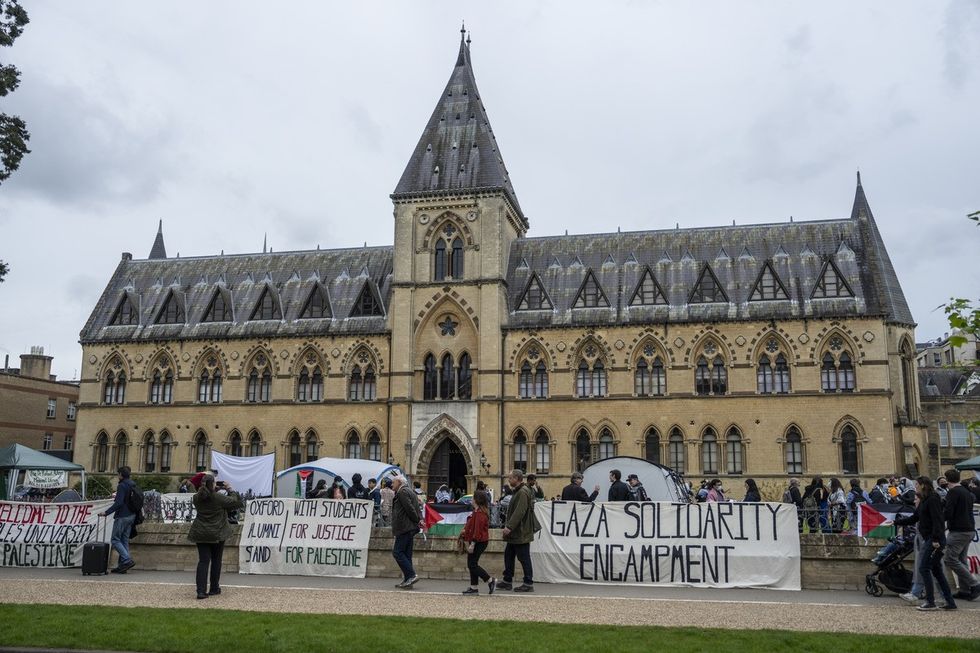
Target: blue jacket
121	504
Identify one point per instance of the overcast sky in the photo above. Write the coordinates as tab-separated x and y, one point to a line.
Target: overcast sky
232	119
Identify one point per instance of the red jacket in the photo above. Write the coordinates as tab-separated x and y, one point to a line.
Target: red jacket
477	527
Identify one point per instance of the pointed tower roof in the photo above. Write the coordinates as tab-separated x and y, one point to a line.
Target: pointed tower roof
158	250
884	280
457	150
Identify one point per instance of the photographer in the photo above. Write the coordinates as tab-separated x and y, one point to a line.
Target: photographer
210	530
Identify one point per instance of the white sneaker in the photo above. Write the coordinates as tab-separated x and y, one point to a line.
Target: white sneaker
910	597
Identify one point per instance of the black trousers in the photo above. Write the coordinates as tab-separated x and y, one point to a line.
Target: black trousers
209	555
473	564
523	553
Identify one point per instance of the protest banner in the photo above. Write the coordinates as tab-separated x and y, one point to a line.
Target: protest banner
50	534
45	479
306	537
700	545
973	553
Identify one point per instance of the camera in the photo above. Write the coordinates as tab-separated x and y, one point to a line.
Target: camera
220	483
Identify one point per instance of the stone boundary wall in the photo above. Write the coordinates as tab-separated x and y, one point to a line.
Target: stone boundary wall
835	562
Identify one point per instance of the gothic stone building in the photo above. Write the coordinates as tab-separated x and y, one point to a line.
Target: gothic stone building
469	348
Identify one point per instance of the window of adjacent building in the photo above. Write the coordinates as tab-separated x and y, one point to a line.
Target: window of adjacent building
46	442
849	450
794	451
709	452
734	451
542	452
520	451
69	441
959	436
607	445
649	378
590	382
353	445
72	411
943	434
374	446
52	408
583	450
651	446
937	359
675	451
711	379
949	356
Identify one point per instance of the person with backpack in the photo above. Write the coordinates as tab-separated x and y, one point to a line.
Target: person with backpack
126	506
815	504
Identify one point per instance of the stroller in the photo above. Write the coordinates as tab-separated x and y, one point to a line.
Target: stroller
890	570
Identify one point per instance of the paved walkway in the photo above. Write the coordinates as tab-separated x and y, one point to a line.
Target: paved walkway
809	610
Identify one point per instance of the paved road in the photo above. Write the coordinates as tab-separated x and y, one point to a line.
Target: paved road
602	604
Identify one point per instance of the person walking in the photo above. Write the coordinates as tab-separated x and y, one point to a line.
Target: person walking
958	512
518	532
929	516
575	492
476	534
210	529
406	521
122	524
752	491
618	491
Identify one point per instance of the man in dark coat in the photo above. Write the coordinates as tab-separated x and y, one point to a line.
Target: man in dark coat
518	532
618	491
575	492
406	521
122	525
958	512
357	490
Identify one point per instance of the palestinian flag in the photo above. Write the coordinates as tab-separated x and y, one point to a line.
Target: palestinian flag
446	519
877	519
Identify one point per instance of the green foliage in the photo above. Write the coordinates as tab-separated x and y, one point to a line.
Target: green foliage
97	487
180	630
13	130
159	482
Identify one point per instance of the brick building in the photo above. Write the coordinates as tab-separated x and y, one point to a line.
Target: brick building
36	409
469	348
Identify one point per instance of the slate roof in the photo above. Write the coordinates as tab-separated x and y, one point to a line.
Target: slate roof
457	149
948	383
242	278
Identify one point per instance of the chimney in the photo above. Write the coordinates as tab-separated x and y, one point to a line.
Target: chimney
35	365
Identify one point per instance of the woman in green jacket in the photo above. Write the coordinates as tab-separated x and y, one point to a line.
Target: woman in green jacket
210	530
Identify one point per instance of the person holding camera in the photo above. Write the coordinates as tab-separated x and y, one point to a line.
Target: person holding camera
210	530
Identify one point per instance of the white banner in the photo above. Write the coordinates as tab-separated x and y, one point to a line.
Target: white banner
246	473
697	545
306	537
50	534
45	479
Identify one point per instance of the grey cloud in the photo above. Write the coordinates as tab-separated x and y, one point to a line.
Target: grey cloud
959	37
800	41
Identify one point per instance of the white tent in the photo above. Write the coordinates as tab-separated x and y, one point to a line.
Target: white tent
330	468
660	483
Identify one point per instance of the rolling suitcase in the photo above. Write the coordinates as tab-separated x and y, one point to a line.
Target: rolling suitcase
95	555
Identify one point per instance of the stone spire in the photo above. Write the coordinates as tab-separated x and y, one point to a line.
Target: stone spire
457	151
158	250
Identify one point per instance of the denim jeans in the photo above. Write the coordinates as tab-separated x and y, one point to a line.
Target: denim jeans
523	553
932	568
402	553
121	528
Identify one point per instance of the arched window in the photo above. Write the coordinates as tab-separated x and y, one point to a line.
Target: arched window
525	382
649	379
520	451
583	450
734	451
430	380
764	376
312	446
303	387
583	380
675	451
540	380
120	397
794	451
709	452
447	377
845	373
370	384
658	378
599	379
259	387
316	385
309	386
353	445
909	381
837	375
166	451
209	383
781	379
607	446
122	449
254	444
102	452
200	452
252	391
702	377
149	453
828	374
456	261
354	392
719	377
295	449
109	389
440	260
465	377
161	387
235	444
542	452
849	450
641	379
374	446
651	445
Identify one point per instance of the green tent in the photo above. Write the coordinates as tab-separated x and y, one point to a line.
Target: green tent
972	464
17	457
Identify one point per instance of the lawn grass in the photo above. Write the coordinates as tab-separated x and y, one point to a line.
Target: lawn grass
219	631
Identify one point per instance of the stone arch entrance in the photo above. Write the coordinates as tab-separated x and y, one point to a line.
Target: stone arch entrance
446	464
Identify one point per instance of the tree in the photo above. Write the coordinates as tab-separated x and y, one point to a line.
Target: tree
13	131
964	320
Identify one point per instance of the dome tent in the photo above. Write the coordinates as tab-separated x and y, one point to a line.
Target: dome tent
328	469
661	483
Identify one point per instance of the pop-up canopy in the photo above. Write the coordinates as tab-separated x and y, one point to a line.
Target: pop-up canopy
972	464
15	458
287	481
